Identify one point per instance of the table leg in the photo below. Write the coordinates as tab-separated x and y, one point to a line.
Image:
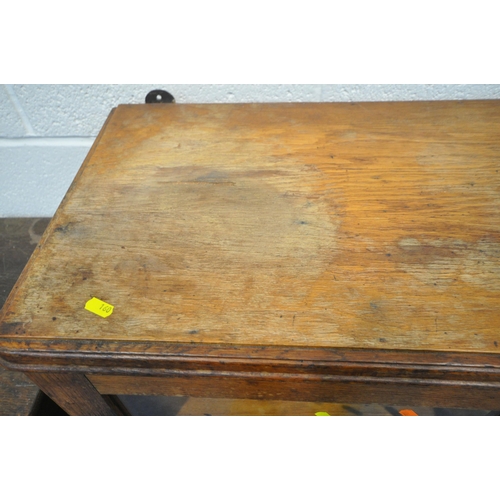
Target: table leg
73	393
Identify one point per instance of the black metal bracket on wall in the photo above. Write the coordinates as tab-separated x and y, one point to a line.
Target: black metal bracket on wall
159	97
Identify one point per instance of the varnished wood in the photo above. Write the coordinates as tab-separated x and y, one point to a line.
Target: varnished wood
190	359
186	406
74	394
369	225
249	407
347	244
357	390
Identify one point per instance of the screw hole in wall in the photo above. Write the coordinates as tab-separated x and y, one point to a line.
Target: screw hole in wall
159	96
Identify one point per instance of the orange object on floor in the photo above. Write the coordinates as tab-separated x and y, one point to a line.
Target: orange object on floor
408	413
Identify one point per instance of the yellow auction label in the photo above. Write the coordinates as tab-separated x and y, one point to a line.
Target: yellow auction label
99	307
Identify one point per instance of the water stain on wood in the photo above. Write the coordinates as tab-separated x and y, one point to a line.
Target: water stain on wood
354	223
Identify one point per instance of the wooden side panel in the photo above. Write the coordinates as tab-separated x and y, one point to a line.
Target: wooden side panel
370	390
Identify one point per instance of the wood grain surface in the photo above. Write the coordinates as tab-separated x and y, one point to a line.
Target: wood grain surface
368	225
75	394
350	390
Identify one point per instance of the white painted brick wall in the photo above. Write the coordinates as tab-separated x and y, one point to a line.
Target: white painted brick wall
11	124
46	130
34	179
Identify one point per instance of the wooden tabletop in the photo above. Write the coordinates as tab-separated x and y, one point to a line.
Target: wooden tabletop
343	225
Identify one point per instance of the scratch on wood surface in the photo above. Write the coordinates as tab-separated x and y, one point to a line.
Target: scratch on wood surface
229	183
394	238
